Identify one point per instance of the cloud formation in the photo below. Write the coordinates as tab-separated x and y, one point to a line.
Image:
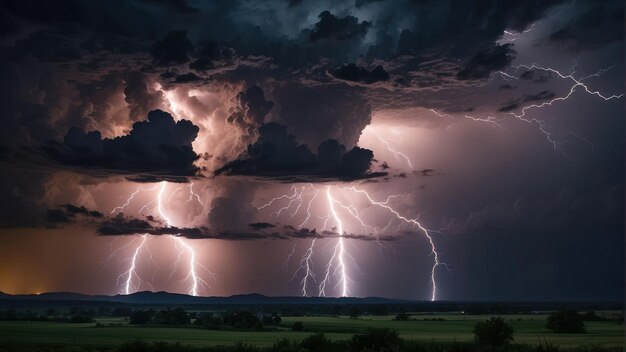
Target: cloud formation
158	148
277	155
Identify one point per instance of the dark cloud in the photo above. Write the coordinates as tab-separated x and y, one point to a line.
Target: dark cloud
602	23
178	5
315	114
186	78
486	61
68	214
338	28
73	210
361	3
352	72
277	155
157	148
125	226
515	104
233	210
139	95
251	109
57	216
536	76
172	49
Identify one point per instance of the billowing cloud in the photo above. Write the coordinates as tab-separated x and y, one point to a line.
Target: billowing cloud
338	28
277	155
352	72
484	62
157	148
173	49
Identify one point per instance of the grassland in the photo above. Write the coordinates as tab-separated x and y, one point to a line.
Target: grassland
529	329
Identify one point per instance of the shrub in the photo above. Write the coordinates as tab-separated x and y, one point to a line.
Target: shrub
565	322
376	339
402	317
493	332
317	343
297	326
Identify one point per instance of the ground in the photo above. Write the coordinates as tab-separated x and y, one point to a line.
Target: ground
528	329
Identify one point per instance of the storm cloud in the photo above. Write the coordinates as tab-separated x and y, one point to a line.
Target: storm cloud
155	148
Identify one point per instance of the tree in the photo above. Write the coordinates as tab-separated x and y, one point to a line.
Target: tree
317	343
354	312
141	317
376	339
297	326
493	332
592	316
402	317
566	322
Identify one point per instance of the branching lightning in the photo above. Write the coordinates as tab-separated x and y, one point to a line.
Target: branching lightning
577	84
398	155
337	264
339	251
133	281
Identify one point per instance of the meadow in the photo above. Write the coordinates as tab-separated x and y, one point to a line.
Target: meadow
111	332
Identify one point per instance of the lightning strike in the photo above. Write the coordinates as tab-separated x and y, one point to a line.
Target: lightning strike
133	265
193	195
399	155
306	265
577	84
489	119
192	274
131	274
336	266
338	252
425	231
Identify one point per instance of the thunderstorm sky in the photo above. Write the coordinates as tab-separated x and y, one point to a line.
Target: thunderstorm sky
447	150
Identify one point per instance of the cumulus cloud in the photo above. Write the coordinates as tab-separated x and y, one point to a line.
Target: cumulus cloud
486	61
251	109
157	148
124	226
338	28
277	155
354	73
599	24
172	49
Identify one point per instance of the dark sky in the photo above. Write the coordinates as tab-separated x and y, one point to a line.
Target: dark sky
361	147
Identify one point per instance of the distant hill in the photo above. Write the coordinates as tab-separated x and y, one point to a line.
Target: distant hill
161	297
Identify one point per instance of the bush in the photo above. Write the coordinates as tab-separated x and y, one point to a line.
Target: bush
566	322
493	332
376	339
402	317
317	343
297	326
80	319
354	312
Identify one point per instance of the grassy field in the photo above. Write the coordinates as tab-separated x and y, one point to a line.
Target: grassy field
528	329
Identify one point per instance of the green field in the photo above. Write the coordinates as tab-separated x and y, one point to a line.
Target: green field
528	329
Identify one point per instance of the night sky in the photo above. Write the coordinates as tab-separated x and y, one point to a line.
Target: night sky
448	150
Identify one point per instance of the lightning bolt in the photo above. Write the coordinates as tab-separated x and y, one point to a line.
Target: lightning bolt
416	223
577	84
399	155
306	265
131	275
337	210
489	119
339	252
193	195
181	243
131	272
